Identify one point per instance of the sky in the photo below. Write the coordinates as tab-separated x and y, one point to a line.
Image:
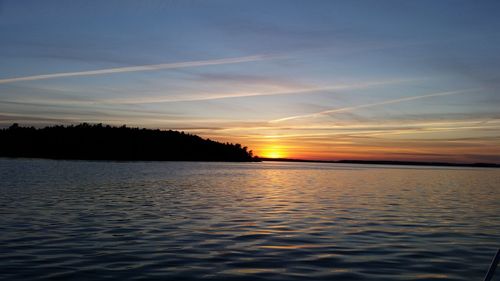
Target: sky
329	80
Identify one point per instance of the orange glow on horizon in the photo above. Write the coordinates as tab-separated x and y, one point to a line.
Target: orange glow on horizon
334	148
273	152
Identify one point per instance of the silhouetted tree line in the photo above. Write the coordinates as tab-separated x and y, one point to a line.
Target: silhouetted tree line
104	142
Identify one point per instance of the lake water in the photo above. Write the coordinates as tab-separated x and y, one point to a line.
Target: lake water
83	220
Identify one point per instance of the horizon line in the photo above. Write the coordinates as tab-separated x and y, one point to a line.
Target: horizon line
381	162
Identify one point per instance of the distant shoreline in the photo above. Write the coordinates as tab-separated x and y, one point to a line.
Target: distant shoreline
387	162
259	160
103	142
100	142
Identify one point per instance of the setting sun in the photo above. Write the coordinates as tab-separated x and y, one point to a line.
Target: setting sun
273	152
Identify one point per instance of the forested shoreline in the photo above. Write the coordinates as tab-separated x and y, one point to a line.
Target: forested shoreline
103	142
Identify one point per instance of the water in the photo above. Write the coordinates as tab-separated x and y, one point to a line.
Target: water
83	220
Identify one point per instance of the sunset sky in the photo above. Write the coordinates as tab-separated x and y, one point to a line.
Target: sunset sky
401	80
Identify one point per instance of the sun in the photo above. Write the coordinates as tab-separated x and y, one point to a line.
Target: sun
273	152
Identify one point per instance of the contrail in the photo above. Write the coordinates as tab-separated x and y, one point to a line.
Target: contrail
351	108
148	67
257	94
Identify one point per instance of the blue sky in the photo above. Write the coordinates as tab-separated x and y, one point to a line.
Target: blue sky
306	79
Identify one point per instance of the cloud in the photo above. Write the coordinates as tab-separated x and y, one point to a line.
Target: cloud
148	67
352	108
298	90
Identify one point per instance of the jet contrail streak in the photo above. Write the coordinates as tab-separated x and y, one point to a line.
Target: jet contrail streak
136	68
351	108
256	94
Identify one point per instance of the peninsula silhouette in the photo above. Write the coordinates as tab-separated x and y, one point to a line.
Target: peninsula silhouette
104	142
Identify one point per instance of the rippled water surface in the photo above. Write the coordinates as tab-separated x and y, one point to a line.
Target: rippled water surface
245	221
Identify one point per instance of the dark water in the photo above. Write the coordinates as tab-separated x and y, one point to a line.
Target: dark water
254	221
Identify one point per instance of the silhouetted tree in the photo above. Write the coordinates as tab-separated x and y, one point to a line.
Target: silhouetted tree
104	142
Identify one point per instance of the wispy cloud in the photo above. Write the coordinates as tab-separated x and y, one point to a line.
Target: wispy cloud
356	107
137	68
298	90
